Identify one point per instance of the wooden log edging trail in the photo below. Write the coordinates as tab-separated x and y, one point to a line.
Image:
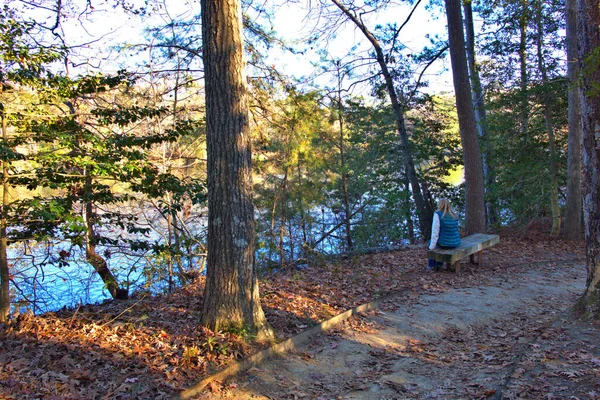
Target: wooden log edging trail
284	347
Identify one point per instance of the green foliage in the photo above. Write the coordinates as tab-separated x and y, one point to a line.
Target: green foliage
22	59
590	65
292	167
132	147
436	142
301	195
81	151
501	42
522	182
215	345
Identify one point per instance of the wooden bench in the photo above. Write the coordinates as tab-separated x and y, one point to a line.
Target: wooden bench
470	245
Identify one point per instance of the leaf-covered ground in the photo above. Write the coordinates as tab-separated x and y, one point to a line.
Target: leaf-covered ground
152	347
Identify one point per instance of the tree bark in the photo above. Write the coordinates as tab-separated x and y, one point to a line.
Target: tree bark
554	207
345	196
231	297
409	222
283	217
474	201
424	211
480	109
4	272
524	81
573	209
589	58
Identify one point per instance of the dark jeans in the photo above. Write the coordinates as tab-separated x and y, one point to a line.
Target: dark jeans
434	264
437	264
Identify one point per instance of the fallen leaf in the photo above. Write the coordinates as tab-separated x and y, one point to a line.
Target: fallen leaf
18	364
214	386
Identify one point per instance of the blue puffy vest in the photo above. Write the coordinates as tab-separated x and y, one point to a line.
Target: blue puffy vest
449	236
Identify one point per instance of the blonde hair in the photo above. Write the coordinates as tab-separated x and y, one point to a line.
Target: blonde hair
444	205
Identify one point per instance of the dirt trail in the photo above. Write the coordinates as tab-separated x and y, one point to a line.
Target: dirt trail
458	343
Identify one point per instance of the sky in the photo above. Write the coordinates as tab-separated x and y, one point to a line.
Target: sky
99	32
291	22
107	27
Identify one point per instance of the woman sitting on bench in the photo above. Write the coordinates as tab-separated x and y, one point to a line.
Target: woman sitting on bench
444	231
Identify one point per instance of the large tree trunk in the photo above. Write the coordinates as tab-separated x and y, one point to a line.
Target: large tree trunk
475	205
424	211
589	45
555	209
4	274
231	298
480	110
573	209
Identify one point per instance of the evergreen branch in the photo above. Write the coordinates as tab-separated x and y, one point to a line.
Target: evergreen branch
438	55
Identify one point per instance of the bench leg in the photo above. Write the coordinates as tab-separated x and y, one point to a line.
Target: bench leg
457	267
479	258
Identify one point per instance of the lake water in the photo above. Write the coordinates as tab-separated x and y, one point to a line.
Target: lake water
43	280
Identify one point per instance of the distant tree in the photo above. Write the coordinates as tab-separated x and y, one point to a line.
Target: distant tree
341	145
573	208
523	12
549	123
4	269
474	191
293	157
480	110
231	296
92	152
377	170
23	62
438	145
589	55
398	104
526	104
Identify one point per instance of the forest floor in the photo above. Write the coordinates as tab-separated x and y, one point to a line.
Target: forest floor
503	330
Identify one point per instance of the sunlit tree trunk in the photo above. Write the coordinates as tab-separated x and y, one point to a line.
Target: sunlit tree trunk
573	208
589	47
409	220
292	242
479	107
169	216
549	124
306	236
4	273
283	217
231	297
424	211
474	190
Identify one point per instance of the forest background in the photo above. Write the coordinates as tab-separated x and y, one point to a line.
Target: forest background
104	152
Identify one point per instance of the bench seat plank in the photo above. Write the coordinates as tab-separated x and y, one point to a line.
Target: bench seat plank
469	245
